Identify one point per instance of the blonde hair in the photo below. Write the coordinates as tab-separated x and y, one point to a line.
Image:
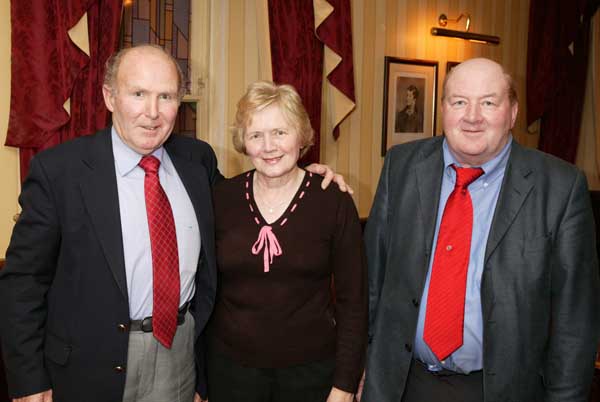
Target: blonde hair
114	62
262	94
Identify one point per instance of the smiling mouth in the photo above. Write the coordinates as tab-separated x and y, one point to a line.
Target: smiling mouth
471	130
150	128
272	161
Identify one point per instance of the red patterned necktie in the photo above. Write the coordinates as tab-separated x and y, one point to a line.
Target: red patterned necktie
444	319
165	257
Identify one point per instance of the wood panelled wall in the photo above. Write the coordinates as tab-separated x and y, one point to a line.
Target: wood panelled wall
397	28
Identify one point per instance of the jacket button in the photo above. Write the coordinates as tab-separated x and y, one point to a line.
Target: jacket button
408	347
122	327
119	369
415	302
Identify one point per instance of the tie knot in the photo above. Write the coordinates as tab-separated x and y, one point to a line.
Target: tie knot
466	176
150	164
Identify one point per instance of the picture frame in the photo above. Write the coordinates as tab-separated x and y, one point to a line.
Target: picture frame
450	65
409	100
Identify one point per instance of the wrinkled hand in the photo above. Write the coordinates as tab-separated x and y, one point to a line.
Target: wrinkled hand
198	398
45	396
337	395
329	175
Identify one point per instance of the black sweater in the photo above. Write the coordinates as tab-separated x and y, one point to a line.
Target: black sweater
287	316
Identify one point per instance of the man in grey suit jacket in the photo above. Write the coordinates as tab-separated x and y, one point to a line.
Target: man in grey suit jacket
531	306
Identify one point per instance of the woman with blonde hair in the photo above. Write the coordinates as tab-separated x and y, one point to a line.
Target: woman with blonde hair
276	334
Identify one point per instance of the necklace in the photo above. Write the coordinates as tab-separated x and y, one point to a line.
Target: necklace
271	208
284	196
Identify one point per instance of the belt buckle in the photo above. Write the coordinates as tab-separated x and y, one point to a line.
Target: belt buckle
146	325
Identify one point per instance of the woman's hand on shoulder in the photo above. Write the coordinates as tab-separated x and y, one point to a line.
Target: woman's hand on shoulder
337	395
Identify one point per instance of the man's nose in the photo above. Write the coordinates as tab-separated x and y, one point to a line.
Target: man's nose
152	108
473	113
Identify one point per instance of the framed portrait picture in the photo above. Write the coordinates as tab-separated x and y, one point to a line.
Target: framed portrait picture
409	100
450	65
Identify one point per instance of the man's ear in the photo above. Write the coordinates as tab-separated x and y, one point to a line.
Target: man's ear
514	111
107	93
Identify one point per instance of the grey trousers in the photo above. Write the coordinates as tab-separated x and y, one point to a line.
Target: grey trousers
158	374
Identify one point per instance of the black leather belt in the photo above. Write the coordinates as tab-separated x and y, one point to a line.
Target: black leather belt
443	372
145	325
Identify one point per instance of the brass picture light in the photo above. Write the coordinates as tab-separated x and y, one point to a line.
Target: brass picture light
470	36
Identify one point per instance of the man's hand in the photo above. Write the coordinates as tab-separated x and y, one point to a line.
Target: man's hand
45	396
198	398
328	176
337	395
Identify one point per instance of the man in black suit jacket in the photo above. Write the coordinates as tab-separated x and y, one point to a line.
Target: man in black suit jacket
531	316
65	290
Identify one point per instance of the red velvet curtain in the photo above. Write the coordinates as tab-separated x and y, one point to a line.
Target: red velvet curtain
336	33
297	54
557	59
47	69
297	58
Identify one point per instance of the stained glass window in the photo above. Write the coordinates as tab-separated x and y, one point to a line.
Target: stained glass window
163	22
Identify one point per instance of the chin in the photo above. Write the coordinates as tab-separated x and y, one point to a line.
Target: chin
274	172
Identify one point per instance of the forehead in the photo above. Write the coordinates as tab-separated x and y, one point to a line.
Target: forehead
477	79
269	116
147	68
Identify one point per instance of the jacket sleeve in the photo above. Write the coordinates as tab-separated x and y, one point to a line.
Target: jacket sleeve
375	238
24	282
575	293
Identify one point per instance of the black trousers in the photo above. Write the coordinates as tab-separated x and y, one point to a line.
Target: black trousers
425	386
230	381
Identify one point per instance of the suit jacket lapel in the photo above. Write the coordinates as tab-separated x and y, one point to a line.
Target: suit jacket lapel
518	182
101	199
429	183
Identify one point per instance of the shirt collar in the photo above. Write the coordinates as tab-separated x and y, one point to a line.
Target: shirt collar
492	169
126	159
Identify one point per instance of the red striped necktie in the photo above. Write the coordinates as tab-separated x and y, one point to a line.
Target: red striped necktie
444	319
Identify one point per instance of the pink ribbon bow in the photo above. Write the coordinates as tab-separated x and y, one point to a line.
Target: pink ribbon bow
267	241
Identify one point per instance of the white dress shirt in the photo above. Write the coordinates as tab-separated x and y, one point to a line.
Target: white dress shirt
134	226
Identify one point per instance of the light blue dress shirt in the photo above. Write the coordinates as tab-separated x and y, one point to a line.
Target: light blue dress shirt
484	195
134	226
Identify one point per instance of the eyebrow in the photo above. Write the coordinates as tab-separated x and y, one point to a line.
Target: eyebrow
489	95
136	88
